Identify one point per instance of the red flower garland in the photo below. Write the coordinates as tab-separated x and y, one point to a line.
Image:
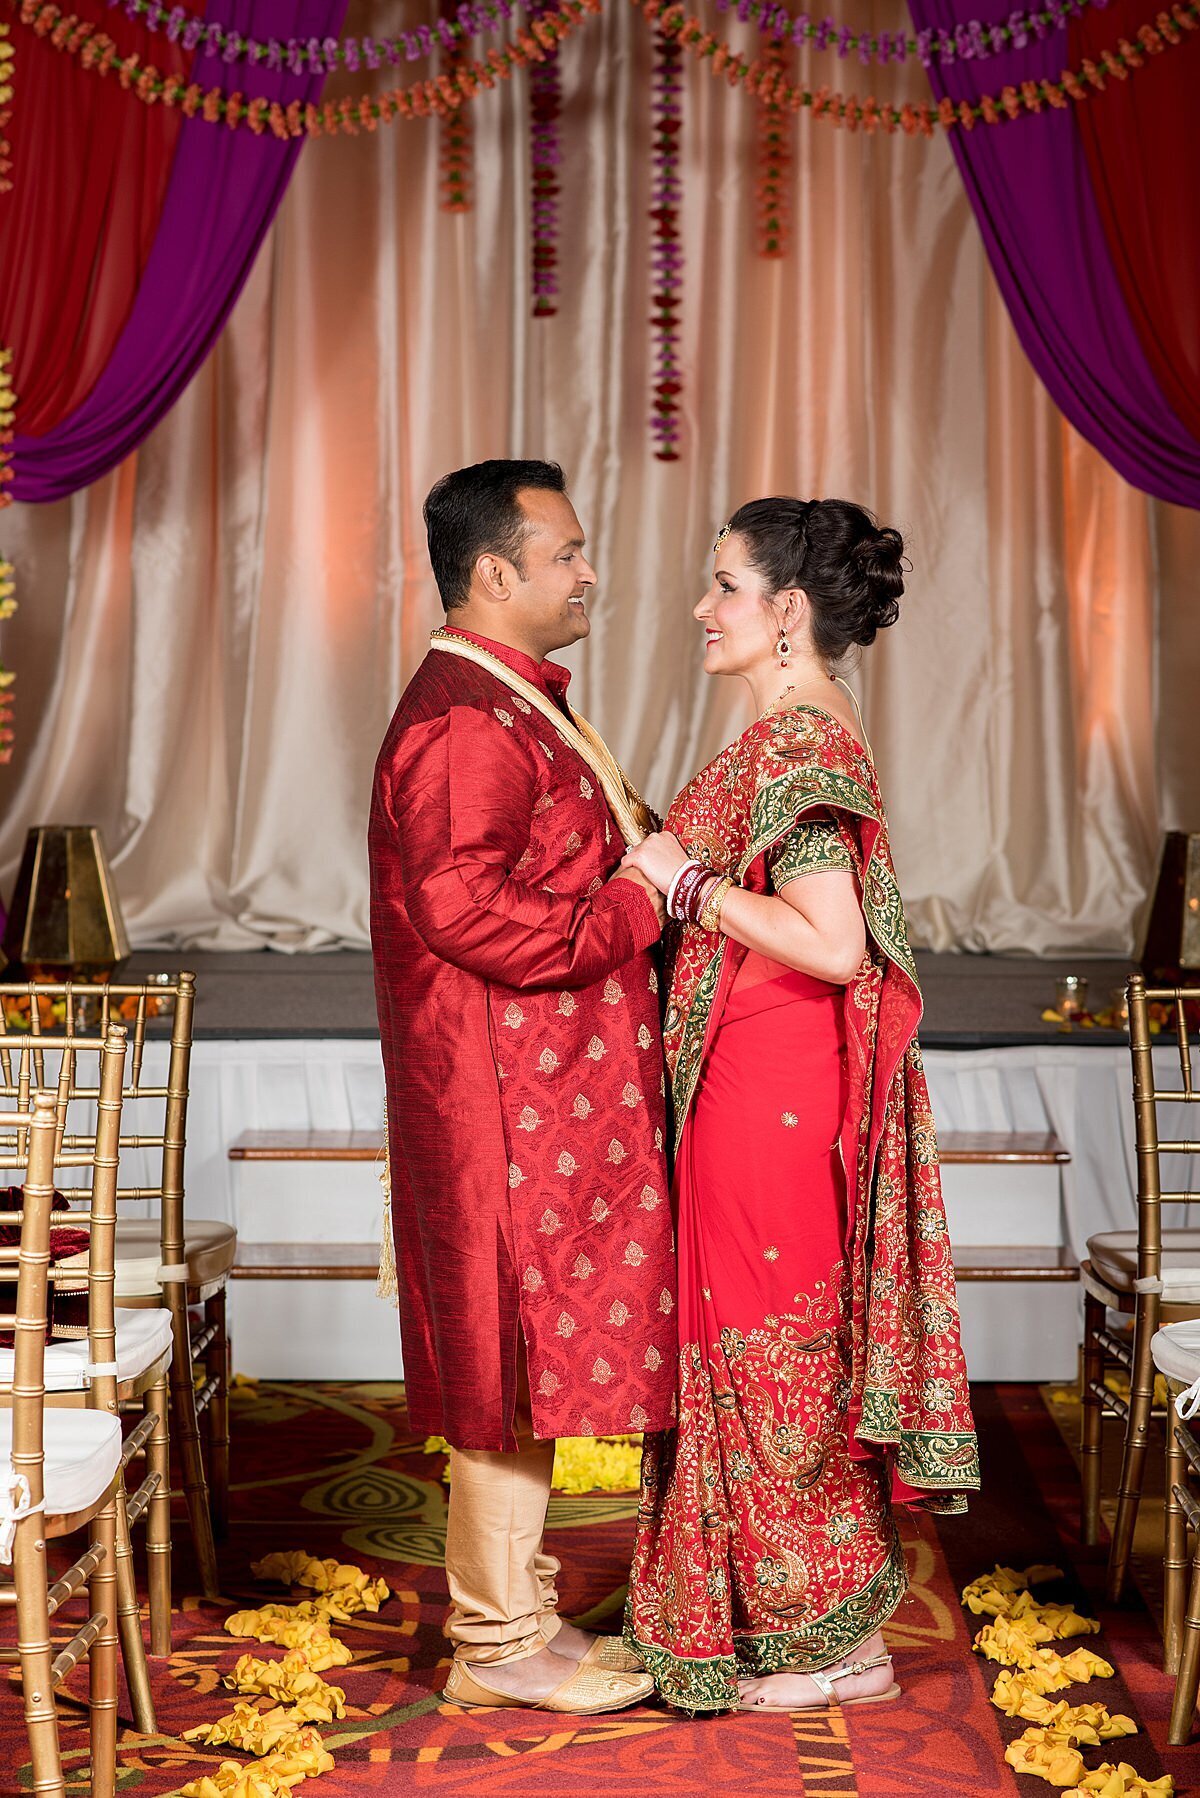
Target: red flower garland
772	190
455	160
545	154
667	255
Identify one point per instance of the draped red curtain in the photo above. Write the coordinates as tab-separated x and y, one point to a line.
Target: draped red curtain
77	227
1140	141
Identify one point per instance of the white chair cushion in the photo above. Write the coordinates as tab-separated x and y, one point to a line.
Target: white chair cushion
83	1453
1176	1351
209	1250
143	1339
1113	1254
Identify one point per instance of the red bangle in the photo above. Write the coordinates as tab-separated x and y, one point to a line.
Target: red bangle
691	904
689	882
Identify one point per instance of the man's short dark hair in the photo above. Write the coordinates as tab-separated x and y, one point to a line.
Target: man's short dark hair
475	511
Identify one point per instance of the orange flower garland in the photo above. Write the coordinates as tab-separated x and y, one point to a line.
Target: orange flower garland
455	160
440	95
444	93
772	194
764	83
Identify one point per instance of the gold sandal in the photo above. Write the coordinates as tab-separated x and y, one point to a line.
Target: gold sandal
587	1692
824	1683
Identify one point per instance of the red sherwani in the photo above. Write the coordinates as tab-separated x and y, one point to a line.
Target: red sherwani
519	1017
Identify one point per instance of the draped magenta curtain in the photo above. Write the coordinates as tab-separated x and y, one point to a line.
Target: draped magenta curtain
129	234
1089	217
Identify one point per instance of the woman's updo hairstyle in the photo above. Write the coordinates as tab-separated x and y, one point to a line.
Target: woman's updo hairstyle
851	567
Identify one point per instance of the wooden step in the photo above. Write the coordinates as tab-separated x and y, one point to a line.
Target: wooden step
1008	1262
1000	1148
306	1261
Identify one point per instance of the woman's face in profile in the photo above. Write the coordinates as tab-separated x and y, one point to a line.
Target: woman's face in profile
740	628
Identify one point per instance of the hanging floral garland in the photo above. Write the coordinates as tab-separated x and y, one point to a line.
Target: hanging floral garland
96	51
666	257
321	55
441	94
971	41
545	154
455	158
772	189
924	119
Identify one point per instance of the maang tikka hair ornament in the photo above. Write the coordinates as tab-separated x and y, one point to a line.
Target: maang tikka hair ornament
721	536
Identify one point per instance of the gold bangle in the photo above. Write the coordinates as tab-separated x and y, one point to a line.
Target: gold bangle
710	911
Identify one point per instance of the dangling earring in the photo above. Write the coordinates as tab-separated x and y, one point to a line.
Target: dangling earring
783	649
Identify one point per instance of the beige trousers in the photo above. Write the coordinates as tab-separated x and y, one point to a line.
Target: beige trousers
503	1602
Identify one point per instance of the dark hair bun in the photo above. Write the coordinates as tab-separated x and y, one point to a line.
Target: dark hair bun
851	567
879	561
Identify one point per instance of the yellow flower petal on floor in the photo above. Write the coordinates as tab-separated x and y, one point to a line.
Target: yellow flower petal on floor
1083	1664
1122	1781
347	1589
283	1625
583	1463
1060	1621
292	1680
1018	1695
273	1777
1046	1754
992	1594
255	1731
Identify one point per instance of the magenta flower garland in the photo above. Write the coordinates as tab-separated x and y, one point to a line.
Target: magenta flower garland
973	41
297	54
545	154
666	257
969	42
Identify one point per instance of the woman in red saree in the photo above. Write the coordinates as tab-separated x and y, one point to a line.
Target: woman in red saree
820	1375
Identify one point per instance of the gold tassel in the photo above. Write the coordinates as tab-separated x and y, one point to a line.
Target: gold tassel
387	1285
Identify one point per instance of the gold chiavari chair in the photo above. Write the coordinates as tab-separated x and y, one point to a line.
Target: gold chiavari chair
59	1473
168	1261
1151	1275
1176	1354
125	1354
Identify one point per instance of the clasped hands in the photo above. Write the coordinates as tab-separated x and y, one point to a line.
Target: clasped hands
652	864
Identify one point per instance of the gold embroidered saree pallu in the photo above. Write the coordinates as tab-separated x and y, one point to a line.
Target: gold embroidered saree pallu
821	1376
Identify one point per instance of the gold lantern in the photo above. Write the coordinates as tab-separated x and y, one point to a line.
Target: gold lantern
65	919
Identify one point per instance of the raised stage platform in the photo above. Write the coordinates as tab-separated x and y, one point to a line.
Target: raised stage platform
971	1001
290	1044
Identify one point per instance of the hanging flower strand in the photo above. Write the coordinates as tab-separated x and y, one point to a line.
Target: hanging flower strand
297	55
455	158
924	119
97	51
772	191
971	41
545	154
667	255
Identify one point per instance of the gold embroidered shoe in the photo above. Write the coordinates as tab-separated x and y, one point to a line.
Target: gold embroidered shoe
611	1652
588	1691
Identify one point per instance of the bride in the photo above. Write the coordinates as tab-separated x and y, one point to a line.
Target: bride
820	1376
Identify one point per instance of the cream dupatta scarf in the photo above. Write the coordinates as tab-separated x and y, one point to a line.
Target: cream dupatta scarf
631	815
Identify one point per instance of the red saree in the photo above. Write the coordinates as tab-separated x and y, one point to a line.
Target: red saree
820	1375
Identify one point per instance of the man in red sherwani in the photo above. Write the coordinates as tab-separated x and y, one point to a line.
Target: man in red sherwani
519	1018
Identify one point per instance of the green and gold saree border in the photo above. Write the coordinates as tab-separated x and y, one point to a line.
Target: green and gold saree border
709	1683
925	1459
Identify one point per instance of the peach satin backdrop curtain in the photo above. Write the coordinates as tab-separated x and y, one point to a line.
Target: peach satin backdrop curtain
212	639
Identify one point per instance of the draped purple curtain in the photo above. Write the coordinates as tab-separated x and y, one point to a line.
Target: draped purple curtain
1031	188
223	192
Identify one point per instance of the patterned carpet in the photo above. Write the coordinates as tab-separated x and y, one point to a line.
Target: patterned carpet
332	1469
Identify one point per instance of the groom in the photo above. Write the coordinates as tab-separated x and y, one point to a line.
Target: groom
520	1029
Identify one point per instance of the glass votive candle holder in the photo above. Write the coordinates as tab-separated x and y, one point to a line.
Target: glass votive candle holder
1119	1001
1070	995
